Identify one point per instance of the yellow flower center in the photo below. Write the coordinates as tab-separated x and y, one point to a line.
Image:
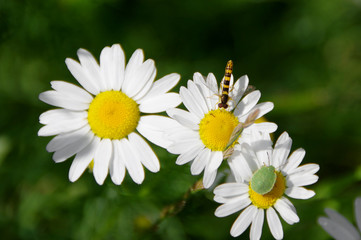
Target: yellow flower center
216	127
269	199
113	115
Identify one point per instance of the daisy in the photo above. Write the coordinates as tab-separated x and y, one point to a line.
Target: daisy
263	177
339	227
204	131
104	120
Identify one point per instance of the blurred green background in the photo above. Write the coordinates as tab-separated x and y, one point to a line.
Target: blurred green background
305	56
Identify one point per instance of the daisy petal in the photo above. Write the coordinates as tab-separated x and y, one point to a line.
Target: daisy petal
243	221
72	91
134	63
161	86
343	222
247	103
215	160
310	168
82	160
208	178
201	161
190	102
358	212
287	212
154	128
294	160
61	140
336	230
59	100
91	67
237	204
58	115
143	75
257	224
72	148
231	189
299	193
301	180
160	103
184	146
189	155
146	154
185	118
266	127
132	163
239	88
101	160
61	127
264	108
112	64
281	150
274	223
116	165
198	97
81	76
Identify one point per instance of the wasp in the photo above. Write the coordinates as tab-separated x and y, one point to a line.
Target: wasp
225	88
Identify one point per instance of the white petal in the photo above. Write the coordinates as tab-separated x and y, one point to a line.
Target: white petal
299	193
239	167
160	103
91	67
72	91
247	103
134	63
274	223
145	152
62	127
215	160
201	161
185	118
155	128
81	76
112	64
73	148
184	146
59	100
294	160
264	108
206	92
235	205
310	168
189	155
162	86
132	163
281	150
60	141
287	211
257	224
266	127
212	82
336	230
198	97
190	102
116	165
102	158
82	160
58	115
140	78
358	212
144	91
343	222
243	221
209	177
239	88
301	180
231	189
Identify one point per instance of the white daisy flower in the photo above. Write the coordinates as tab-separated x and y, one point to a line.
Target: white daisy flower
339	227
263	176
104	120
205	129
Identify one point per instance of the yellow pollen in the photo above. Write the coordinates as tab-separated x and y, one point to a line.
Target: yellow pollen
113	115
216	127
269	199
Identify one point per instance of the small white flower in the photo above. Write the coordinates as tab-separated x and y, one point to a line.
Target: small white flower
205	129
258	192
99	122
339	227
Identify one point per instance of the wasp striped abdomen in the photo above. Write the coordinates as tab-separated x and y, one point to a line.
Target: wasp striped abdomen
225	89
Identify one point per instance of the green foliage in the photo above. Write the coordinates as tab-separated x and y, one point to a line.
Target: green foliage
303	55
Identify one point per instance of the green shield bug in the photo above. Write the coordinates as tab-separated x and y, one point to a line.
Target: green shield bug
263	180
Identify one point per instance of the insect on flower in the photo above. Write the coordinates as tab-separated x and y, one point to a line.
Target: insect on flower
225	85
